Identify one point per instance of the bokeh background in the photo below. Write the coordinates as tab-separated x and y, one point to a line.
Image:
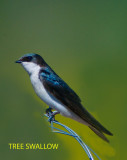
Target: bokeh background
85	42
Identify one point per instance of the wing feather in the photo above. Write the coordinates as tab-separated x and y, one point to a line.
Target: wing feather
60	90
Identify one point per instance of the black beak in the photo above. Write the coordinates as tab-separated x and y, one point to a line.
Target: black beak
18	61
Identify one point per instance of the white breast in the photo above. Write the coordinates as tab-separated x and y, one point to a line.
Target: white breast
33	70
42	93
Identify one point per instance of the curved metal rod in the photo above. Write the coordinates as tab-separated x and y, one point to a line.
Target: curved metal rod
70	132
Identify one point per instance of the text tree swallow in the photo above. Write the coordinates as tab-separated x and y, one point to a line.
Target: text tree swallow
57	94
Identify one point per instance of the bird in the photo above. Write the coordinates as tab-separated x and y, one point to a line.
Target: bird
57	94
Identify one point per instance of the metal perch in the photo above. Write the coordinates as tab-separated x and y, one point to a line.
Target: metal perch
70	132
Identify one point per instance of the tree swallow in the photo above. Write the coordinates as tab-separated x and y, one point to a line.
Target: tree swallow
57	94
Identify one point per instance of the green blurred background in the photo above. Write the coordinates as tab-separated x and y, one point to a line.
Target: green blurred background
85	42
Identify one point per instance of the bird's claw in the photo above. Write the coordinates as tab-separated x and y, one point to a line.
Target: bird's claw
50	114
51	118
49	111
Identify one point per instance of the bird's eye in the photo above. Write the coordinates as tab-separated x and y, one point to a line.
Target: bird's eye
29	58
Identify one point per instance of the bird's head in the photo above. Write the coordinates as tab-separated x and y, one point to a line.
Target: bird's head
31	62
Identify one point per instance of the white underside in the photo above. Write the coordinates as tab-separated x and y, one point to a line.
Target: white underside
33	70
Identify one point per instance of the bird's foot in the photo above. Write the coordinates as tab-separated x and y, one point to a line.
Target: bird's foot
51	115
49	111
51	118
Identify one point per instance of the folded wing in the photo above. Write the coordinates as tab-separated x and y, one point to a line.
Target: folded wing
60	90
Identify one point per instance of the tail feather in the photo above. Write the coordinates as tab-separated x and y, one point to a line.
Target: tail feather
103	129
99	127
99	133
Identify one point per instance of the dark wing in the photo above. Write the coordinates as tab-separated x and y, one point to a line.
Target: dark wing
59	89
